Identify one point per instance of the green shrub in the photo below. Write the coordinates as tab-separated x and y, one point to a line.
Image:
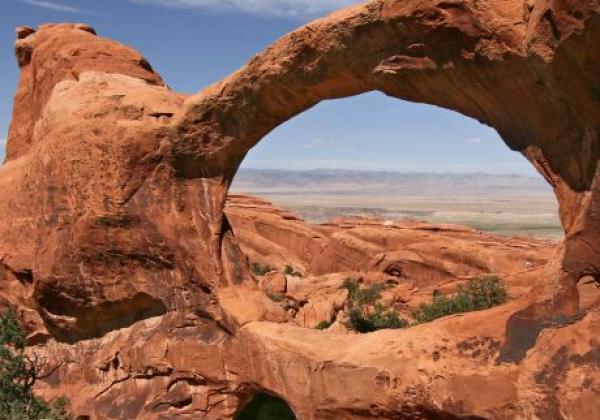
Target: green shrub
352	286
479	293
276	297
361	317
290	271
368	295
323	325
381	317
261	270
18	373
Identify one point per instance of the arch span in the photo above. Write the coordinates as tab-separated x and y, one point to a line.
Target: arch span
520	69
531	73
114	186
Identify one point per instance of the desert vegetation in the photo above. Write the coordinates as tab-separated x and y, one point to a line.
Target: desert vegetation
276	297
323	325
260	270
364	311
479	293
18	374
289	270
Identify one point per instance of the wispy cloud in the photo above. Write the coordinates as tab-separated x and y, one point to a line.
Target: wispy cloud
318	143
474	140
328	144
59	7
261	7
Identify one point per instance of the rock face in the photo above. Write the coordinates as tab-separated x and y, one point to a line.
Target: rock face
423	253
115	247
411	258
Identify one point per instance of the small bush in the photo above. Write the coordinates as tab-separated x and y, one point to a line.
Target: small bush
323	325
366	296
361	316
352	286
290	271
477	294
370	294
381	317
18	374
261	270
276	297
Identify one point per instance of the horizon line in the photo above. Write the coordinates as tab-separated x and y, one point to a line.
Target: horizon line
395	171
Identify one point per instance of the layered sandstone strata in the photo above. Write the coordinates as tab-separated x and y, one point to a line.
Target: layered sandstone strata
115	246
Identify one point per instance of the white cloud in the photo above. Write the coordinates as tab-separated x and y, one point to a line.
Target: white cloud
262	7
52	6
474	140
58	7
319	143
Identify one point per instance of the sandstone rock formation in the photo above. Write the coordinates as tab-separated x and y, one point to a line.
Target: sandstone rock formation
422	253
413	257
130	280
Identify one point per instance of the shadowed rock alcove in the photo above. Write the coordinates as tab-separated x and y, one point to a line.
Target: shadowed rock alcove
265	407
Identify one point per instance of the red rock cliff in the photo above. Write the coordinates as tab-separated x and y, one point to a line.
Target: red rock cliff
115	247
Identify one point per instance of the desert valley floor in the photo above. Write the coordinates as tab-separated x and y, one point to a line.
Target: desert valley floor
503	204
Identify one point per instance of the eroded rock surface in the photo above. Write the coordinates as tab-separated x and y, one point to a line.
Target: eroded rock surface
423	253
132	285
411	258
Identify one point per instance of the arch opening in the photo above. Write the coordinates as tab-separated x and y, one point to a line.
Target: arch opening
401	196
446	62
376	156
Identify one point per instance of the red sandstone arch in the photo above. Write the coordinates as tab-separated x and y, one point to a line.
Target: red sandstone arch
112	194
531	72
533	80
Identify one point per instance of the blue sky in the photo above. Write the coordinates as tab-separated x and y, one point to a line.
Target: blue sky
193	43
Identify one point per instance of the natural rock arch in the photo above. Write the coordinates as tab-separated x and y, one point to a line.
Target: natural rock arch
454	54
113	190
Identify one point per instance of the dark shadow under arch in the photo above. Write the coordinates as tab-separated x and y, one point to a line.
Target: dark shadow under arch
264	406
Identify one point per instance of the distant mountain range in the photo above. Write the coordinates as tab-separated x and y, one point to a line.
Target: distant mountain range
340	181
